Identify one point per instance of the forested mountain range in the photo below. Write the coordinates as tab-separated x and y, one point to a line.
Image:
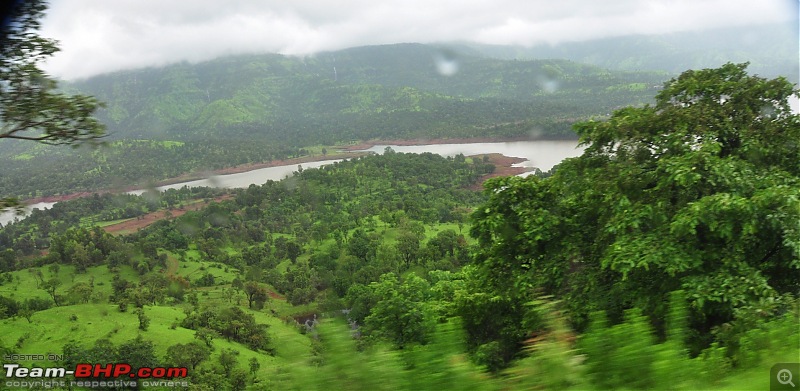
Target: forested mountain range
663	257
393	91
254	108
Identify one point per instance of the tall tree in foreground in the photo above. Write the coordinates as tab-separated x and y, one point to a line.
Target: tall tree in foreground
699	192
31	107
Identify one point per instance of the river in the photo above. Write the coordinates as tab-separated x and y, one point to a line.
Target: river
542	154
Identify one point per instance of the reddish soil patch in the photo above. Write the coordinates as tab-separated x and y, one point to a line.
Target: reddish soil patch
140	222
202	175
503	167
275	295
348	152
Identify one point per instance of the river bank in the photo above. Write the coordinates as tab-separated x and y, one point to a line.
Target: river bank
503	161
504	166
435	141
202	175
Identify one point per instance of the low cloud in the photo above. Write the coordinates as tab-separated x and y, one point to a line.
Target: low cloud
98	36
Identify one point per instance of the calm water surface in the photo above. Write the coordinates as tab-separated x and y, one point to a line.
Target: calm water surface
540	154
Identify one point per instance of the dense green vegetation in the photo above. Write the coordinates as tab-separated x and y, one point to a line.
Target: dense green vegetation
256	108
698	193
392	91
308	238
127	164
664	257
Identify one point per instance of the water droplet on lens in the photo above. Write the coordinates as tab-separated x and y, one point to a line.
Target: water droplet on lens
446	63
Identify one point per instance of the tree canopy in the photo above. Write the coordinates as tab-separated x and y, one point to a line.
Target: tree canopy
31	107
699	192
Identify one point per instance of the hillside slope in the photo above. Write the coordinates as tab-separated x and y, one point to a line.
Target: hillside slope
393	91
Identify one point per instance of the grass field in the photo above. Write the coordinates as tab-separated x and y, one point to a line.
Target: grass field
51	329
24	283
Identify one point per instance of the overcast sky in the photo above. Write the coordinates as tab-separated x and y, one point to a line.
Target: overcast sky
98	36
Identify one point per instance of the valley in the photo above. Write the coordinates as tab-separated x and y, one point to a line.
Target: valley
367	219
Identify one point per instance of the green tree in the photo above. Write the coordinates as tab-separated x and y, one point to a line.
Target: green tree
139	353
187	355
400	313
26	313
256	294
144	320
31	108
408	246
254	366
206	335
238	379
80	293
361	245
154	287
228	360
50	286
698	192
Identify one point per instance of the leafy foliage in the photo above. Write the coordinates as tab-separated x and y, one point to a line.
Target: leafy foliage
232	323
230	111
400	313
698	192
31	108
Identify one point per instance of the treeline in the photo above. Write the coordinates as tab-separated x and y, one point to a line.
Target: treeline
124	164
246	109
643	213
226	372
326	222
653	254
25	237
377	91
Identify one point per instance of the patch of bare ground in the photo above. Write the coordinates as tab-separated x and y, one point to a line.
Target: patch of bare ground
133	225
502	167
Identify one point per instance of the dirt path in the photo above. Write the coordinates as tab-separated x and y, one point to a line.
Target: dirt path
133	225
503	167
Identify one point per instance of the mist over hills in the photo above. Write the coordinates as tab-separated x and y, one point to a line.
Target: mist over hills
771	50
251	108
422	91
393	91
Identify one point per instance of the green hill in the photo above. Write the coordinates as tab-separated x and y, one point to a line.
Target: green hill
253	108
394	91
